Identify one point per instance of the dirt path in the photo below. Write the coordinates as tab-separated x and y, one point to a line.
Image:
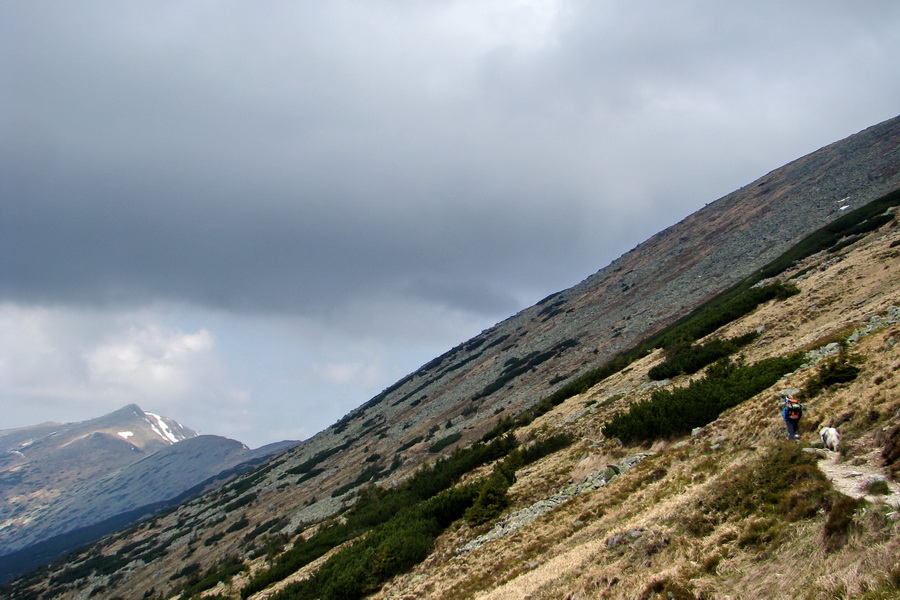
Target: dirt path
853	479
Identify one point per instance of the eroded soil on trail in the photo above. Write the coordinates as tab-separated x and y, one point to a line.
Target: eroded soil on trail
854	476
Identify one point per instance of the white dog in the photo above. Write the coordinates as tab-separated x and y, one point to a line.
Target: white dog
831	438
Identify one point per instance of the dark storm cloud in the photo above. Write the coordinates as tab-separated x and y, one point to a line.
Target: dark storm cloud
249	248
138	170
285	157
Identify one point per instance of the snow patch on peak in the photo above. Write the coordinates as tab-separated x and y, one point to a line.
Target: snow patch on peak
126	434
160	427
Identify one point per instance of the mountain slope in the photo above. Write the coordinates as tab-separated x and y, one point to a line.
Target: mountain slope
700	516
40	464
59	478
615	532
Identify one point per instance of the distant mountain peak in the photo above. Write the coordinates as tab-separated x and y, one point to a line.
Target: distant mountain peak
77	474
137	426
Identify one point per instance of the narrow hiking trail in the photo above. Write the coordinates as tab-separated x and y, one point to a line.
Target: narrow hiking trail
853	478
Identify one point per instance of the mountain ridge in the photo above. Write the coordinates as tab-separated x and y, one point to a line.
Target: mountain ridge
461	396
62	477
39	463
669	290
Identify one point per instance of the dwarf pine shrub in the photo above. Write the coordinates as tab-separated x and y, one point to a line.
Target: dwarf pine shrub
878	487
861	220
833	371
675	412
387	550
221	572
492	498
377	506
685	358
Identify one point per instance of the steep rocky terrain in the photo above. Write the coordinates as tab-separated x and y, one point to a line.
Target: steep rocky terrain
663	526
723	509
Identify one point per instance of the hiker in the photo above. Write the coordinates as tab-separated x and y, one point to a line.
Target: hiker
791	412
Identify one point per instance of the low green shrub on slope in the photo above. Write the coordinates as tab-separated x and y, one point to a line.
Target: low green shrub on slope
675	412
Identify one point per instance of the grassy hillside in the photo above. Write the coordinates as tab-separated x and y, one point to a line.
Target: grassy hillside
620	485
732	511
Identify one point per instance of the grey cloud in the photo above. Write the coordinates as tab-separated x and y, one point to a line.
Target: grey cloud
281	158
286	257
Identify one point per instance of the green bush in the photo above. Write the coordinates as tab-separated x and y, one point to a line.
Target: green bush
763	532
727	306
240	502
276	523
311	463
832	372
222	572
370	473
406	535
517	366
865	218
391	548
238	525
810	493
675	412
589	379
686	359
878	488
444	442
410	443
376	506
541	448
309	475
492	498
845	242
364	566
724	309
186	571
503	426
99	564
721	310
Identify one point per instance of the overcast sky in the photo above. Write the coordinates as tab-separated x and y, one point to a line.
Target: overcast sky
254	216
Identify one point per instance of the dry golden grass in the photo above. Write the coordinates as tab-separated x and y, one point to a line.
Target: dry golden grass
630	539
